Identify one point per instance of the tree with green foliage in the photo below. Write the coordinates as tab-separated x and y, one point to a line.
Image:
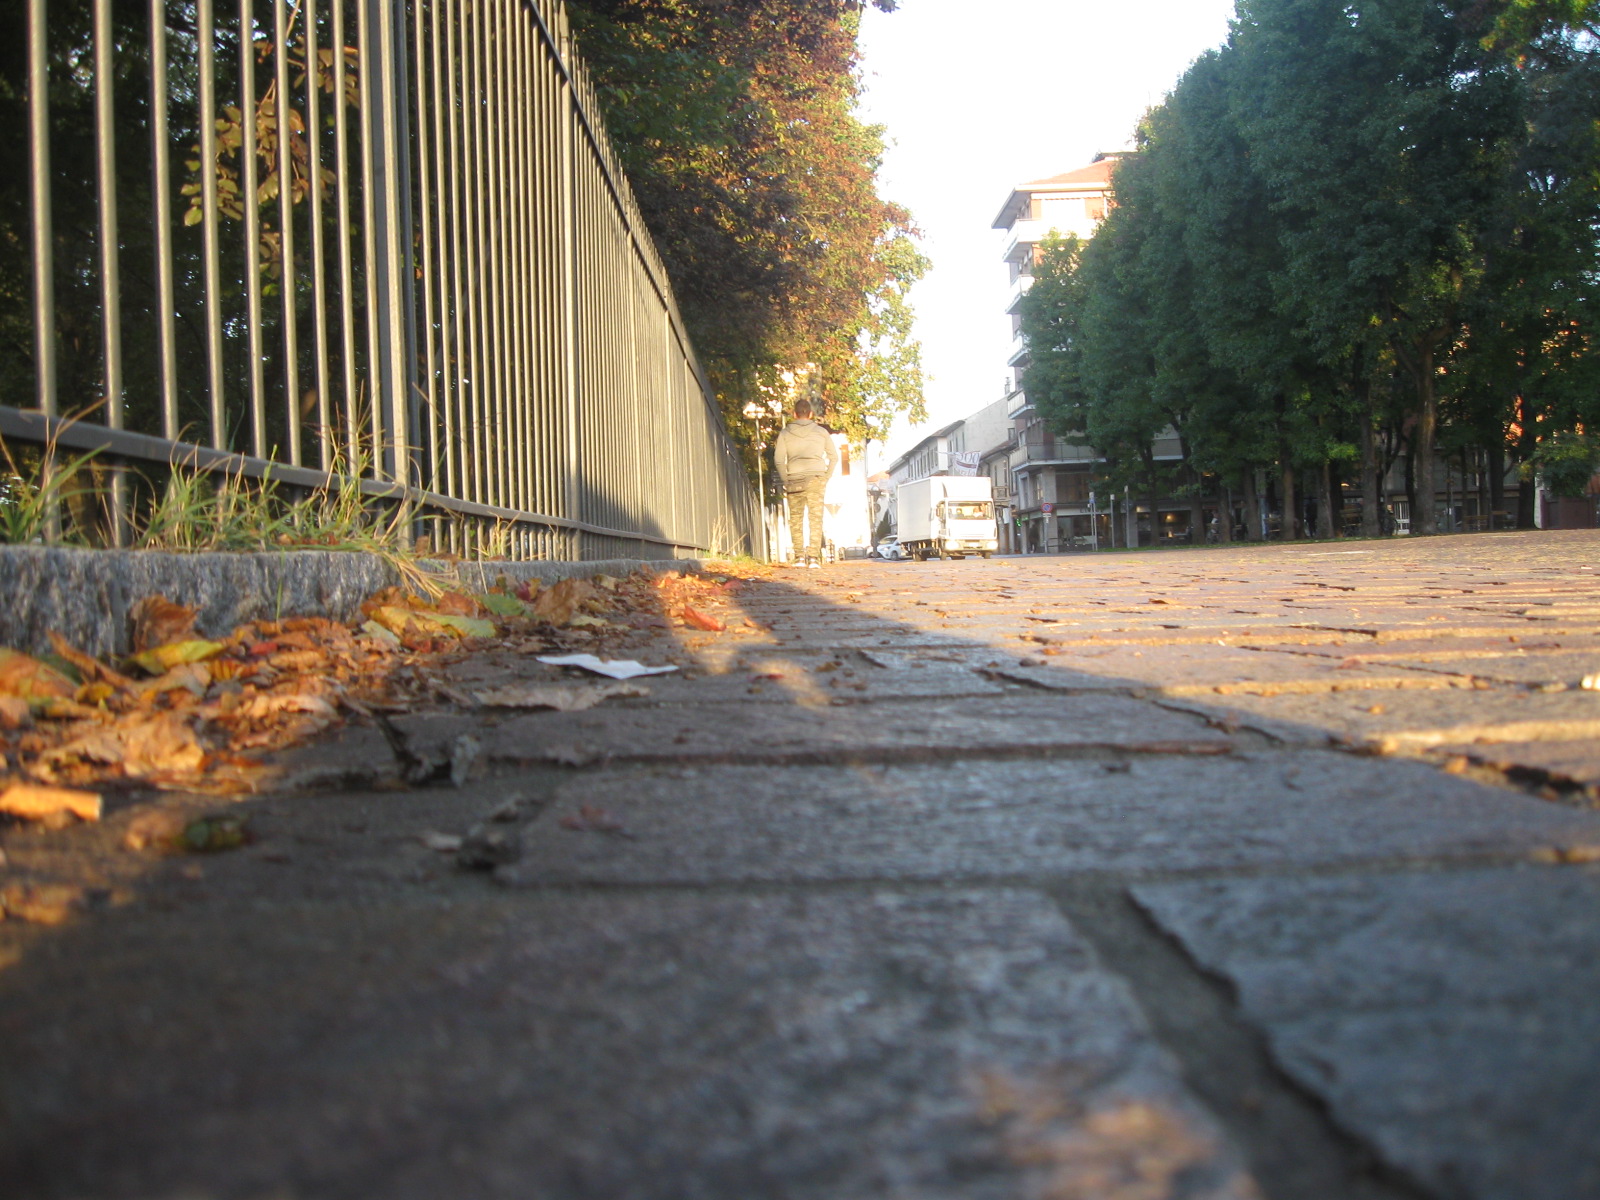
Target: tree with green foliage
735	122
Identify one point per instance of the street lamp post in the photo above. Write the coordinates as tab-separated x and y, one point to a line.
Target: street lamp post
755	412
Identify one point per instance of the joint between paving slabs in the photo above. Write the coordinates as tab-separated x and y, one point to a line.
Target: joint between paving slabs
1295	1148
1538	782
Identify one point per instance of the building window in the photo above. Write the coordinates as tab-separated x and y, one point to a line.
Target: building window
1073	486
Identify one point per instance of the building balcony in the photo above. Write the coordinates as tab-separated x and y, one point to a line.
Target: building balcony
1019	289
1039	451
1022	237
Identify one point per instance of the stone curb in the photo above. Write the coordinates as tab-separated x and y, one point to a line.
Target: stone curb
85	595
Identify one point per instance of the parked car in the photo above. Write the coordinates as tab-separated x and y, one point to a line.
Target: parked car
888	548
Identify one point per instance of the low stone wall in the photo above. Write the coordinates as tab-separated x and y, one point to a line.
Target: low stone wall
85	595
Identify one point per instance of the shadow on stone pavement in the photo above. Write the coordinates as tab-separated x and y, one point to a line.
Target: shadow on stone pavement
879	903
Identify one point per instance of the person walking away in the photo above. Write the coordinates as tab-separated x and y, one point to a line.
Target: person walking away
805	457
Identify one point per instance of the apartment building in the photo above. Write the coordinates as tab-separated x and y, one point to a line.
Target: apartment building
1052	499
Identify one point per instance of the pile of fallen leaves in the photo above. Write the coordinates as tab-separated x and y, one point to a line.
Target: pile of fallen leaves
188	712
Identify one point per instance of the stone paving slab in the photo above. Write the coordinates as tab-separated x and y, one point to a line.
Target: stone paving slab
1409	721
1030	820
1573	762
1029	723
742	673
1532	668
1447	1018
848	1046
1458	647
1228	668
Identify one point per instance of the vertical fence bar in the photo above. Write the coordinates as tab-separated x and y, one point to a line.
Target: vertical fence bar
250	186
210	217
479	490
347	312
569	315
161	195
455	412
493	281
283	109
110	265
402	254
517	176
319	267
369	80
44	289
427	131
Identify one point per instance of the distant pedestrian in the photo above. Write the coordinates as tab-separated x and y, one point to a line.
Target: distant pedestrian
806	457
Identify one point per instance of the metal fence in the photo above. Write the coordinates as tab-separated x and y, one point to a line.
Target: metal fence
305	238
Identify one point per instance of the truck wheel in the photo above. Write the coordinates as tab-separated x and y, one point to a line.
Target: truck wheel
984	553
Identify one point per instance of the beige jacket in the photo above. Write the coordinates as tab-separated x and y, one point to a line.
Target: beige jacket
804	450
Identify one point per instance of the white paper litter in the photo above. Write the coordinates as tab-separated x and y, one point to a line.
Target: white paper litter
612	668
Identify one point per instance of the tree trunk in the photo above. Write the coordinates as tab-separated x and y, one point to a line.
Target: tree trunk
1329	519
1153	492
1494	467
1371	469
1252	507
1527	489
1225	516
1197	509
1424	511
1289	522
1411	487
1289	500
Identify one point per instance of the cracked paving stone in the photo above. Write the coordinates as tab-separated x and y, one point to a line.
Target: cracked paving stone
1446	1017
1402	721
863	1045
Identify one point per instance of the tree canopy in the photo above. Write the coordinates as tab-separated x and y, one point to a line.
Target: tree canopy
1355	232
735	122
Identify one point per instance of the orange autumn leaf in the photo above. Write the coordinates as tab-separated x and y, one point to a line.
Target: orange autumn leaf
700	620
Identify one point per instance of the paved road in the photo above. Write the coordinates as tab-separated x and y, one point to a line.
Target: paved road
1223	873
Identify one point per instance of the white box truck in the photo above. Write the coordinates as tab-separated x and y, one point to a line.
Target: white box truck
947	516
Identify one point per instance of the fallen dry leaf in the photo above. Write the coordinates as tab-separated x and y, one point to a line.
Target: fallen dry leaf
259	707
43	903
87	666
26	677
157	621
157	829
35	802
13	712
195	677
159	745
458	604
161	659
558	604
701	620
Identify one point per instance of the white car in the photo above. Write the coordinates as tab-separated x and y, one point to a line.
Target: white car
889	548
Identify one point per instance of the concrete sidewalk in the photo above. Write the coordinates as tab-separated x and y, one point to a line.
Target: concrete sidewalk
1222	873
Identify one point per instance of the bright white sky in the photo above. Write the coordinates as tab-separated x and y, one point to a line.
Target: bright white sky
980	98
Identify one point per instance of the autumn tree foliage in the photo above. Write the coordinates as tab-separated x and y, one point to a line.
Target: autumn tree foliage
1357	234
735	122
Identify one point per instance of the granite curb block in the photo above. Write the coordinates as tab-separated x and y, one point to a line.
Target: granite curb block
85	595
